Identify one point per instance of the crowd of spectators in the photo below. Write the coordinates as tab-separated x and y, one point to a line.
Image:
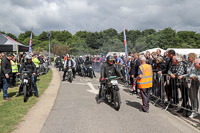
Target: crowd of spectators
9	67
180	76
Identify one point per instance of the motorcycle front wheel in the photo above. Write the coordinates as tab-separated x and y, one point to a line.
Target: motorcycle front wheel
25	93
70	77
117	100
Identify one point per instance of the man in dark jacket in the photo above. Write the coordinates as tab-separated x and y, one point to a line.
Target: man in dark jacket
29	66
108	69
134	71
6	73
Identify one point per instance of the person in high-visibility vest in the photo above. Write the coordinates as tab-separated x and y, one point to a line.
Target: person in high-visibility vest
36	61
14	66
145	74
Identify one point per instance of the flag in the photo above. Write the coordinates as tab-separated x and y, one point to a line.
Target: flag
126	50
30	44
126	54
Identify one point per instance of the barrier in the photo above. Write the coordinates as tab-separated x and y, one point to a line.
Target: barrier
182	93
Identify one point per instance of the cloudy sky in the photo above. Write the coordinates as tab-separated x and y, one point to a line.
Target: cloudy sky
17	16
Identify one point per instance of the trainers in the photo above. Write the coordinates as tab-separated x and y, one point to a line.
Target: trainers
193	115
36	95
7	99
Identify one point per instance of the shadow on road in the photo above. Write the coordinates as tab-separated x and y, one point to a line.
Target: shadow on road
134	104
12	94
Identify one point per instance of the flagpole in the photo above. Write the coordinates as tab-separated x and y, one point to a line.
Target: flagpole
126	52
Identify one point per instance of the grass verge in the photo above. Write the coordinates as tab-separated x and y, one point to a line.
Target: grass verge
12	112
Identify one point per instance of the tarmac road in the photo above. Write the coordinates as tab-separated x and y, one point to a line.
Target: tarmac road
76	111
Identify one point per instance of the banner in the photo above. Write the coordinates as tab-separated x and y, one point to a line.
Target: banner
30	45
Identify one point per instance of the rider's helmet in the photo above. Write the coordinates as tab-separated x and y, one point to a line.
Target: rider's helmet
87	58
28	57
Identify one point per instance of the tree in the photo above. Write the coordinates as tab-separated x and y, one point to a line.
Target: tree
12	36
23	36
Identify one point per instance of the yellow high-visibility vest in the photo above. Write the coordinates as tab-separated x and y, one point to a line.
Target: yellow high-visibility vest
14	66
146	80
36	62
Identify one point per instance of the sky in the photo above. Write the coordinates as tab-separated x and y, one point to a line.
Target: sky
17	16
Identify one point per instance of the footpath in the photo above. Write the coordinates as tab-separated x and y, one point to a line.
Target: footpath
37	115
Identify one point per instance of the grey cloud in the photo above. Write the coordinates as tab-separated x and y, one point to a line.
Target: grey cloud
95	15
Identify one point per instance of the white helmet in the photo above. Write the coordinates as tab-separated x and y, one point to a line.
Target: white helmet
28	57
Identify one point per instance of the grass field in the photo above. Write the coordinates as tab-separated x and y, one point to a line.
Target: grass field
12	112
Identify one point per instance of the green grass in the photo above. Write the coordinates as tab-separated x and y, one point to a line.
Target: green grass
12	112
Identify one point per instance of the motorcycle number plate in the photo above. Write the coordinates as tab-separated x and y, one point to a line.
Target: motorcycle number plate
69	70
114	82
25	81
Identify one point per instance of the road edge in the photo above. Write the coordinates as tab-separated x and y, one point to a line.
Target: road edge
34	120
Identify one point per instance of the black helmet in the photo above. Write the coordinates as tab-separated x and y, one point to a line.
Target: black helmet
109	58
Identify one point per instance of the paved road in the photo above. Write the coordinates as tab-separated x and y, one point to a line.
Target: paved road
76	111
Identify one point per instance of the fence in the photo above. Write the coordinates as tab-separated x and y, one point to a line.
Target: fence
183	93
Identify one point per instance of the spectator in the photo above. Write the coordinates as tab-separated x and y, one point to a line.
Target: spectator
145	82
170	54
175	70
1	85
6	72
148	58
158	52
165	57
154	57
188	68
130	70
14	70
193	93
134	71
158	69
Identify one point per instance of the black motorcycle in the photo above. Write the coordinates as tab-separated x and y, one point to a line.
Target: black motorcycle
111	91
89	72
81	70
28	85
70	75
61	65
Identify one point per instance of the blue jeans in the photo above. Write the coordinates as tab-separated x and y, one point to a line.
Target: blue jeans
34	85
5	86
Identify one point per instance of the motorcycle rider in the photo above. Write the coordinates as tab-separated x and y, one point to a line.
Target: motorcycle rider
69	63
108	69
29	66
87	64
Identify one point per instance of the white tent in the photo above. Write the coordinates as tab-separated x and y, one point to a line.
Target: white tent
186	51
154	50
118	53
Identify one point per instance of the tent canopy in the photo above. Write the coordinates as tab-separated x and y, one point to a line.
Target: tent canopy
186	51
154	50
7	44
118	53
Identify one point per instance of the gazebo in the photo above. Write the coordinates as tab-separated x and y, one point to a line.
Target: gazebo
7	44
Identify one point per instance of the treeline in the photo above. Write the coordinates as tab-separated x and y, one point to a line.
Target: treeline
84	42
